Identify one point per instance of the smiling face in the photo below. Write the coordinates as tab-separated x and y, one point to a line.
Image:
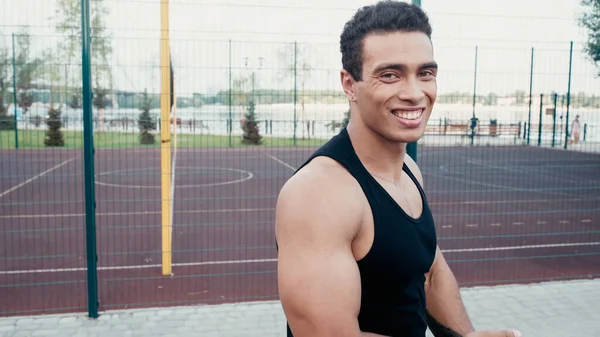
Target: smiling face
395	96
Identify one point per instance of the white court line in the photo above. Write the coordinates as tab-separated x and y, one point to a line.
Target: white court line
115	158
193	211
516	201
248	176
442	203
143	266
36	177
550	245
227	262
281	162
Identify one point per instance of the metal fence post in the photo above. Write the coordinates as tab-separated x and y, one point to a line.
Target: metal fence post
554	120
88	153
540	121
530	96
230	126
568	96
411	148
474	119
15	92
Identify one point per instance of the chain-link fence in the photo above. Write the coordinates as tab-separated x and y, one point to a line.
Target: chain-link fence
197	198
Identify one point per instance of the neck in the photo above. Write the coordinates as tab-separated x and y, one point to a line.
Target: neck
381	157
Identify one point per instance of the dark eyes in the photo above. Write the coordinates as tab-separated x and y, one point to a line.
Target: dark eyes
427	74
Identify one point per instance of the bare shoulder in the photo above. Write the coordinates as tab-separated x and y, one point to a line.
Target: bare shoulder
414	168
321	193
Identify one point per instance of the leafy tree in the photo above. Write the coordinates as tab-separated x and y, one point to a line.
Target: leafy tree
491	99
101	51
6	121
27	69
520	96
296	66
145	122
590	20
50	69
75	102
68	23
68	17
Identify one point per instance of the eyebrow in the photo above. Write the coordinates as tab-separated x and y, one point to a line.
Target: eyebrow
402	67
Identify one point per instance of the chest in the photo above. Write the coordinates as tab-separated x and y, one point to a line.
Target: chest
405	194
401	233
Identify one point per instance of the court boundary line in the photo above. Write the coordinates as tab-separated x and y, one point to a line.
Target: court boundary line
229	262
549	245
69	215
39	175
226	210
249	176
281	162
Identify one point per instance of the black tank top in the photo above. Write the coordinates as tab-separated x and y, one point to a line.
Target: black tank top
403	250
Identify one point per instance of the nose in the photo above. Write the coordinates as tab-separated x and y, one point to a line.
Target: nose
411	91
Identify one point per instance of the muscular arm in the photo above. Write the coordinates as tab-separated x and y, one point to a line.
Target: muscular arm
317	217
447	316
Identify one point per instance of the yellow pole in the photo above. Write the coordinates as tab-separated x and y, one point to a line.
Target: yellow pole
165	137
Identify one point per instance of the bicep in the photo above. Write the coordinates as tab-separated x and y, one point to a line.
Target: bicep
319	288
439	263
318	278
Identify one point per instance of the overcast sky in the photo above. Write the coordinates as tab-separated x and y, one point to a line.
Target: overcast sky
505	32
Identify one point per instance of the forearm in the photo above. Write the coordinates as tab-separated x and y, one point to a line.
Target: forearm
444	304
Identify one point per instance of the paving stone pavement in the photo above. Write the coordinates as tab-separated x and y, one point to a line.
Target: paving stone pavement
552	309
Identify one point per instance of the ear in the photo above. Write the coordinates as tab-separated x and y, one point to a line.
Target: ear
348	85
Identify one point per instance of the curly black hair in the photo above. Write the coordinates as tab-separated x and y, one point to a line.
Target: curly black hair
382	17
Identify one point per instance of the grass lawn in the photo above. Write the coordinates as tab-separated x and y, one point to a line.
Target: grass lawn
34	139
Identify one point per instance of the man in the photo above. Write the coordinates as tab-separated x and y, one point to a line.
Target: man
576	130
357	247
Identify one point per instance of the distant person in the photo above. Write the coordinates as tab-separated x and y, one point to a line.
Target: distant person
357	247
576	130
474	125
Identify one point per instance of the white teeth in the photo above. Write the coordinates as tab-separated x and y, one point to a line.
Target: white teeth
409	114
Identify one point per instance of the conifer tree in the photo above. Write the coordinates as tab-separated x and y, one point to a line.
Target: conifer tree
54	136
145	122
250	126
